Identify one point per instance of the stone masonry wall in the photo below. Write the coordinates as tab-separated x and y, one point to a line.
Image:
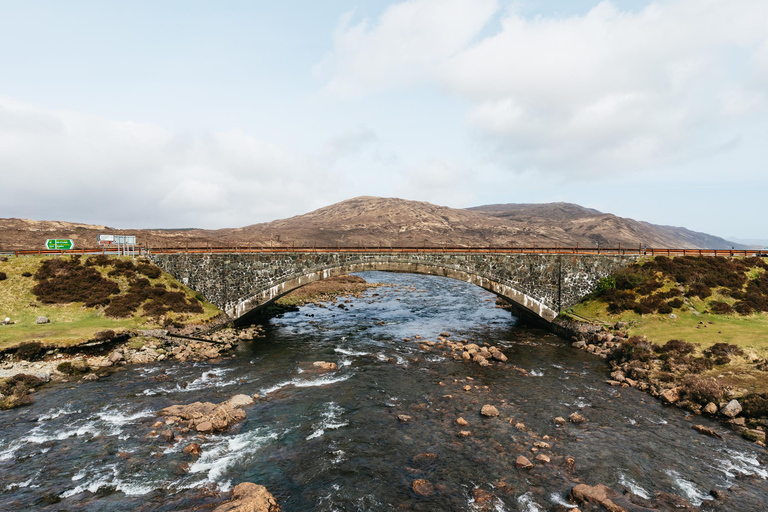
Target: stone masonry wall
540	283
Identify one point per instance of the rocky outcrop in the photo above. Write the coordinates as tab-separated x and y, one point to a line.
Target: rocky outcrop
207	417
250	497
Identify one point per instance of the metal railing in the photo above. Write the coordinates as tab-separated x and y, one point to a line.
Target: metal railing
446	249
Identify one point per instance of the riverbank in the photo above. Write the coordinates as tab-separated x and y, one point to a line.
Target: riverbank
673	328
64	354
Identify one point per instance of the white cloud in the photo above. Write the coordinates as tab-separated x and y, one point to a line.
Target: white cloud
70	166
403	46
603	92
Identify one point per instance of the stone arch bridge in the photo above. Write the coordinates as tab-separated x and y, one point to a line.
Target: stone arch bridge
538	285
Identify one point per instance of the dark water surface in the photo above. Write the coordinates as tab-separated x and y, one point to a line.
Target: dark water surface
332	441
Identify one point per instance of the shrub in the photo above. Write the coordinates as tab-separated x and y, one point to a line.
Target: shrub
634	349
703	389
102	260
649	286
672	292
721	308
699	364
724	349
642	309
104	335
679	346
26	274
755	405
675	303
65	367
31	351
63	281
631	277
150	271
665	309
123	306
3	276
666	376
699	290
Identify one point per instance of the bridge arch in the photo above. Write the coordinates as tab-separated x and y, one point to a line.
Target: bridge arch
526	306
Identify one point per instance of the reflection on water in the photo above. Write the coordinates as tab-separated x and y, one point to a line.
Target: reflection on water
332	441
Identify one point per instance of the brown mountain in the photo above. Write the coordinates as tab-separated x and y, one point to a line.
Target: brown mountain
588	227
370	221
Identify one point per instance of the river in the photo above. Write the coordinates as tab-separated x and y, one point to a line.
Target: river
333	442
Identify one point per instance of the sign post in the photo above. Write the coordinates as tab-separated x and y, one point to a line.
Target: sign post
59	244
126	245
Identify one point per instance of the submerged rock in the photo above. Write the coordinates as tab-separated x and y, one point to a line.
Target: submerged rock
706	431
423	487
325	366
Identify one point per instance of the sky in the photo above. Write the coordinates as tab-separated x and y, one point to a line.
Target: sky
210	114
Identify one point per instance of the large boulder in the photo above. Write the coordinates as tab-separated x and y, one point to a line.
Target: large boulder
671	395
249	497
206	417
489	411
598	495
731	409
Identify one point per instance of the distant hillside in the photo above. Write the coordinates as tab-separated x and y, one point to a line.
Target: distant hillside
370	221
588	227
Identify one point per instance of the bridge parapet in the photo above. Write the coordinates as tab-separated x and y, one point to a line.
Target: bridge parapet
539	284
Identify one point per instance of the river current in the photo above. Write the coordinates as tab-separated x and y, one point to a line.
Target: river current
333	442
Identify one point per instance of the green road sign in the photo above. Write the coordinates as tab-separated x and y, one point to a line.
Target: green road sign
60	244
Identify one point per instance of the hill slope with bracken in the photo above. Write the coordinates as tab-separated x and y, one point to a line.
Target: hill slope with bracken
373	221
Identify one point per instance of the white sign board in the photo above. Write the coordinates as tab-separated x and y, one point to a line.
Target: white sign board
106	238
130	240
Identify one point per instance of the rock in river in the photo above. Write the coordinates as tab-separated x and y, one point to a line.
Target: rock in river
489	411
325	366
423	487
249	497
522	462
576	418
206	417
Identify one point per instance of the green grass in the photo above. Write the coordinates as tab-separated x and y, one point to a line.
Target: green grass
748	332
71	324
692	324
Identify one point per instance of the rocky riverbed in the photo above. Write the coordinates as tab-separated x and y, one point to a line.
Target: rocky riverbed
375	407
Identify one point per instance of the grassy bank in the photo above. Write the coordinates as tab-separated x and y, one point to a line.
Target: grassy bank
704	301
72	323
